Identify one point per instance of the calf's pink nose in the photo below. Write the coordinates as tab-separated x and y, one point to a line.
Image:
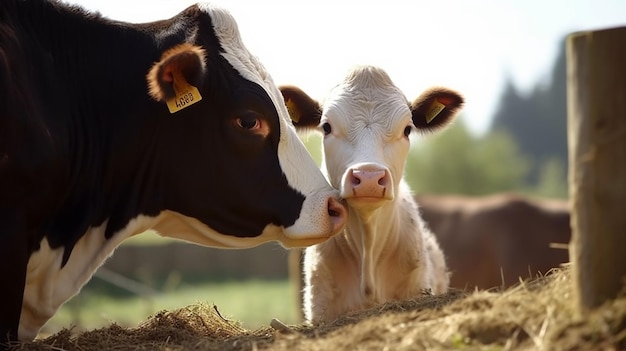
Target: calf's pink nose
367	183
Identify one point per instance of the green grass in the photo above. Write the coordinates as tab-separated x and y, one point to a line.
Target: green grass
253	303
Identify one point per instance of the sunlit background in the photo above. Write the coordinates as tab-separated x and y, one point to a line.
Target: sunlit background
506	57
476	47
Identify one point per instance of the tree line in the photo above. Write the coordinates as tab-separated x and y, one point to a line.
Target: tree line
524	150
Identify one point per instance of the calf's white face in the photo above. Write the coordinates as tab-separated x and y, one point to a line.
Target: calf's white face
366	121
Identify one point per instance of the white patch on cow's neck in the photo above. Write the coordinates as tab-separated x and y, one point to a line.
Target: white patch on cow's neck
296	163
48	285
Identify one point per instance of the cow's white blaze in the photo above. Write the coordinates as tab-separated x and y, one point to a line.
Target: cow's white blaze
299	168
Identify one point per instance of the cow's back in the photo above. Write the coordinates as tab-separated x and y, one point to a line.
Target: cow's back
29	159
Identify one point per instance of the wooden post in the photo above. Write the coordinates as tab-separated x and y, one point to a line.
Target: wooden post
596	92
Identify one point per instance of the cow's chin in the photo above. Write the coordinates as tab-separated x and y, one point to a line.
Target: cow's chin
314	227
367	203
293	243
178	226
291	237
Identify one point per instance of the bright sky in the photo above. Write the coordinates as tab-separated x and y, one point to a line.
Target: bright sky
471	46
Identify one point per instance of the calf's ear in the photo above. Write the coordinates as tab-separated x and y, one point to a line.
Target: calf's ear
435	108
304	111
179	67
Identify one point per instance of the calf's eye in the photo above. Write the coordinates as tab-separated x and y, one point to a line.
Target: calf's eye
407	130
326	128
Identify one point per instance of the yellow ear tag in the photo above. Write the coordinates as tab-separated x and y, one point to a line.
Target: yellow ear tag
435	109
294	113
185	96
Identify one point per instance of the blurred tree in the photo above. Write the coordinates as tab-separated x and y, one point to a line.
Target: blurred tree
313	142
552	181
538	124
457	162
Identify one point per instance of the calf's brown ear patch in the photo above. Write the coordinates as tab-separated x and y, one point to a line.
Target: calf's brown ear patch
304	111
181	66
435	108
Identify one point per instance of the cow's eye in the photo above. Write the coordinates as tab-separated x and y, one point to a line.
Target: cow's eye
249	122
326	128
407	131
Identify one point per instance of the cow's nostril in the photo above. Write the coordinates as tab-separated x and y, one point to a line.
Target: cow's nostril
338	214
336	208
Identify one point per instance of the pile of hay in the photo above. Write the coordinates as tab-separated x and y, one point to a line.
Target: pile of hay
537	314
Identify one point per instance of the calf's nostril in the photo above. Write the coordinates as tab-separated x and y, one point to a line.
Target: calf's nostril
368	177
355	177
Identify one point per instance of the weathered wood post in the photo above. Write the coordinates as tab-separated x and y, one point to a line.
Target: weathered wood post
596	92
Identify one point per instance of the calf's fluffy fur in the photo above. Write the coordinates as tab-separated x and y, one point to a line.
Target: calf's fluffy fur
385	252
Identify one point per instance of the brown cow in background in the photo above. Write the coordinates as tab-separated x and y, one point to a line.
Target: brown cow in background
490	241
494	240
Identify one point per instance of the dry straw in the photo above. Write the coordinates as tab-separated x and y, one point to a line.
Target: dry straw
535	315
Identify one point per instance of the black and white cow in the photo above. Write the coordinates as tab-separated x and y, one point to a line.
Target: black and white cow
109	128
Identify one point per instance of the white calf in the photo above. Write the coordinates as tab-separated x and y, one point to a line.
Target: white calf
385	251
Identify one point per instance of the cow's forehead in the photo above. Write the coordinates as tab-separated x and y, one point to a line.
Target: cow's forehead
294	158
236	53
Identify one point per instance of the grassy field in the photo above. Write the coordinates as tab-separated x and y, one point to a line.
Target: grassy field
253	303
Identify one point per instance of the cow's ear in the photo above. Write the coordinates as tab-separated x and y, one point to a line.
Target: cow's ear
304	111
435	108
179	67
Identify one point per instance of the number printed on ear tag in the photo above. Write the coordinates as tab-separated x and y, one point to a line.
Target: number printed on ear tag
185	97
